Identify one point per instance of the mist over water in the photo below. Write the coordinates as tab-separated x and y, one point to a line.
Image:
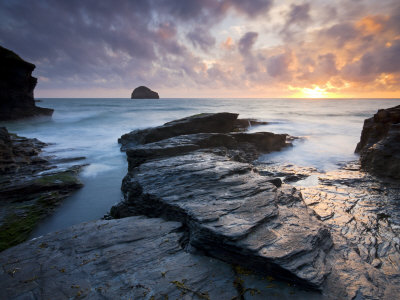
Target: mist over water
330	130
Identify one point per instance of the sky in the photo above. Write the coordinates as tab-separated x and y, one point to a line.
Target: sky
208	48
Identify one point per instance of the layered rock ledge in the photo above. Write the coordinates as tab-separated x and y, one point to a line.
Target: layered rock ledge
16	88
31	186
195	171
379	146
131	258
212	226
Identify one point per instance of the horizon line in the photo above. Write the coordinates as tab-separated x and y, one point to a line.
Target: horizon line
166	98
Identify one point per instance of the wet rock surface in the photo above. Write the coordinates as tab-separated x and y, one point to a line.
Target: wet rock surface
363	217
16	88
228	230
231	212
130	258
143	92
379	146
31	186
243	147
201	123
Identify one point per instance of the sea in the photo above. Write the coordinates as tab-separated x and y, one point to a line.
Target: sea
329	130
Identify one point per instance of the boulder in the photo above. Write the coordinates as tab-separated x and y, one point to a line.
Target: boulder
16	88
143	92
379	146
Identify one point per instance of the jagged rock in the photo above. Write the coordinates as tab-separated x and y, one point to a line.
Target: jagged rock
134	258
201	123
182	172
16	88
242	147
232	213
31	186
131	258
143	92
379	146
383	158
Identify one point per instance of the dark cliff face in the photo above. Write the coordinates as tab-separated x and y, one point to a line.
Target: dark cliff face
16	88
379	146
143	92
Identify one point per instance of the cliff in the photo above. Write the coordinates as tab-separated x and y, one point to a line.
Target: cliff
379	144
16	88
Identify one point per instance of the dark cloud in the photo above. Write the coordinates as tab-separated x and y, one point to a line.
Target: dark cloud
374	63
246	42
252	8
298	15
101	43
278	65
201	38
340	33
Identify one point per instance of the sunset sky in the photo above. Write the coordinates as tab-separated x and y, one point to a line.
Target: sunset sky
208	48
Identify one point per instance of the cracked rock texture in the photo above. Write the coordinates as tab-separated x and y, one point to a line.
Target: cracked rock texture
130	258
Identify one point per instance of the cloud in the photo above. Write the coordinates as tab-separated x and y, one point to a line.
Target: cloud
278	65
191	44
246	42
201	38
298	15
374	63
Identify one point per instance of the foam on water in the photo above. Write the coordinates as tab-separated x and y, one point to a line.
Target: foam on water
90	127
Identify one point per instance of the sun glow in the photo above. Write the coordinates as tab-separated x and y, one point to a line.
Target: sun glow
315	92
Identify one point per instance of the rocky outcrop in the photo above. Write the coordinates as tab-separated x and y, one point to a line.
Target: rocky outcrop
143	92
201	123
232	213
16	88
244	124
379	146
31	186
193	171
242	147
131	258
225	231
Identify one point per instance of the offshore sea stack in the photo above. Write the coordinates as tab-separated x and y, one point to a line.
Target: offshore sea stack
143	92
16	88
379	146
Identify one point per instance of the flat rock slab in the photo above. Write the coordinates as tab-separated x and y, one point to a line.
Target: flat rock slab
232	213
132	258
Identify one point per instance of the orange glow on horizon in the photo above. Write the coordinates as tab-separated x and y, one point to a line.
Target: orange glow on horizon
315	92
